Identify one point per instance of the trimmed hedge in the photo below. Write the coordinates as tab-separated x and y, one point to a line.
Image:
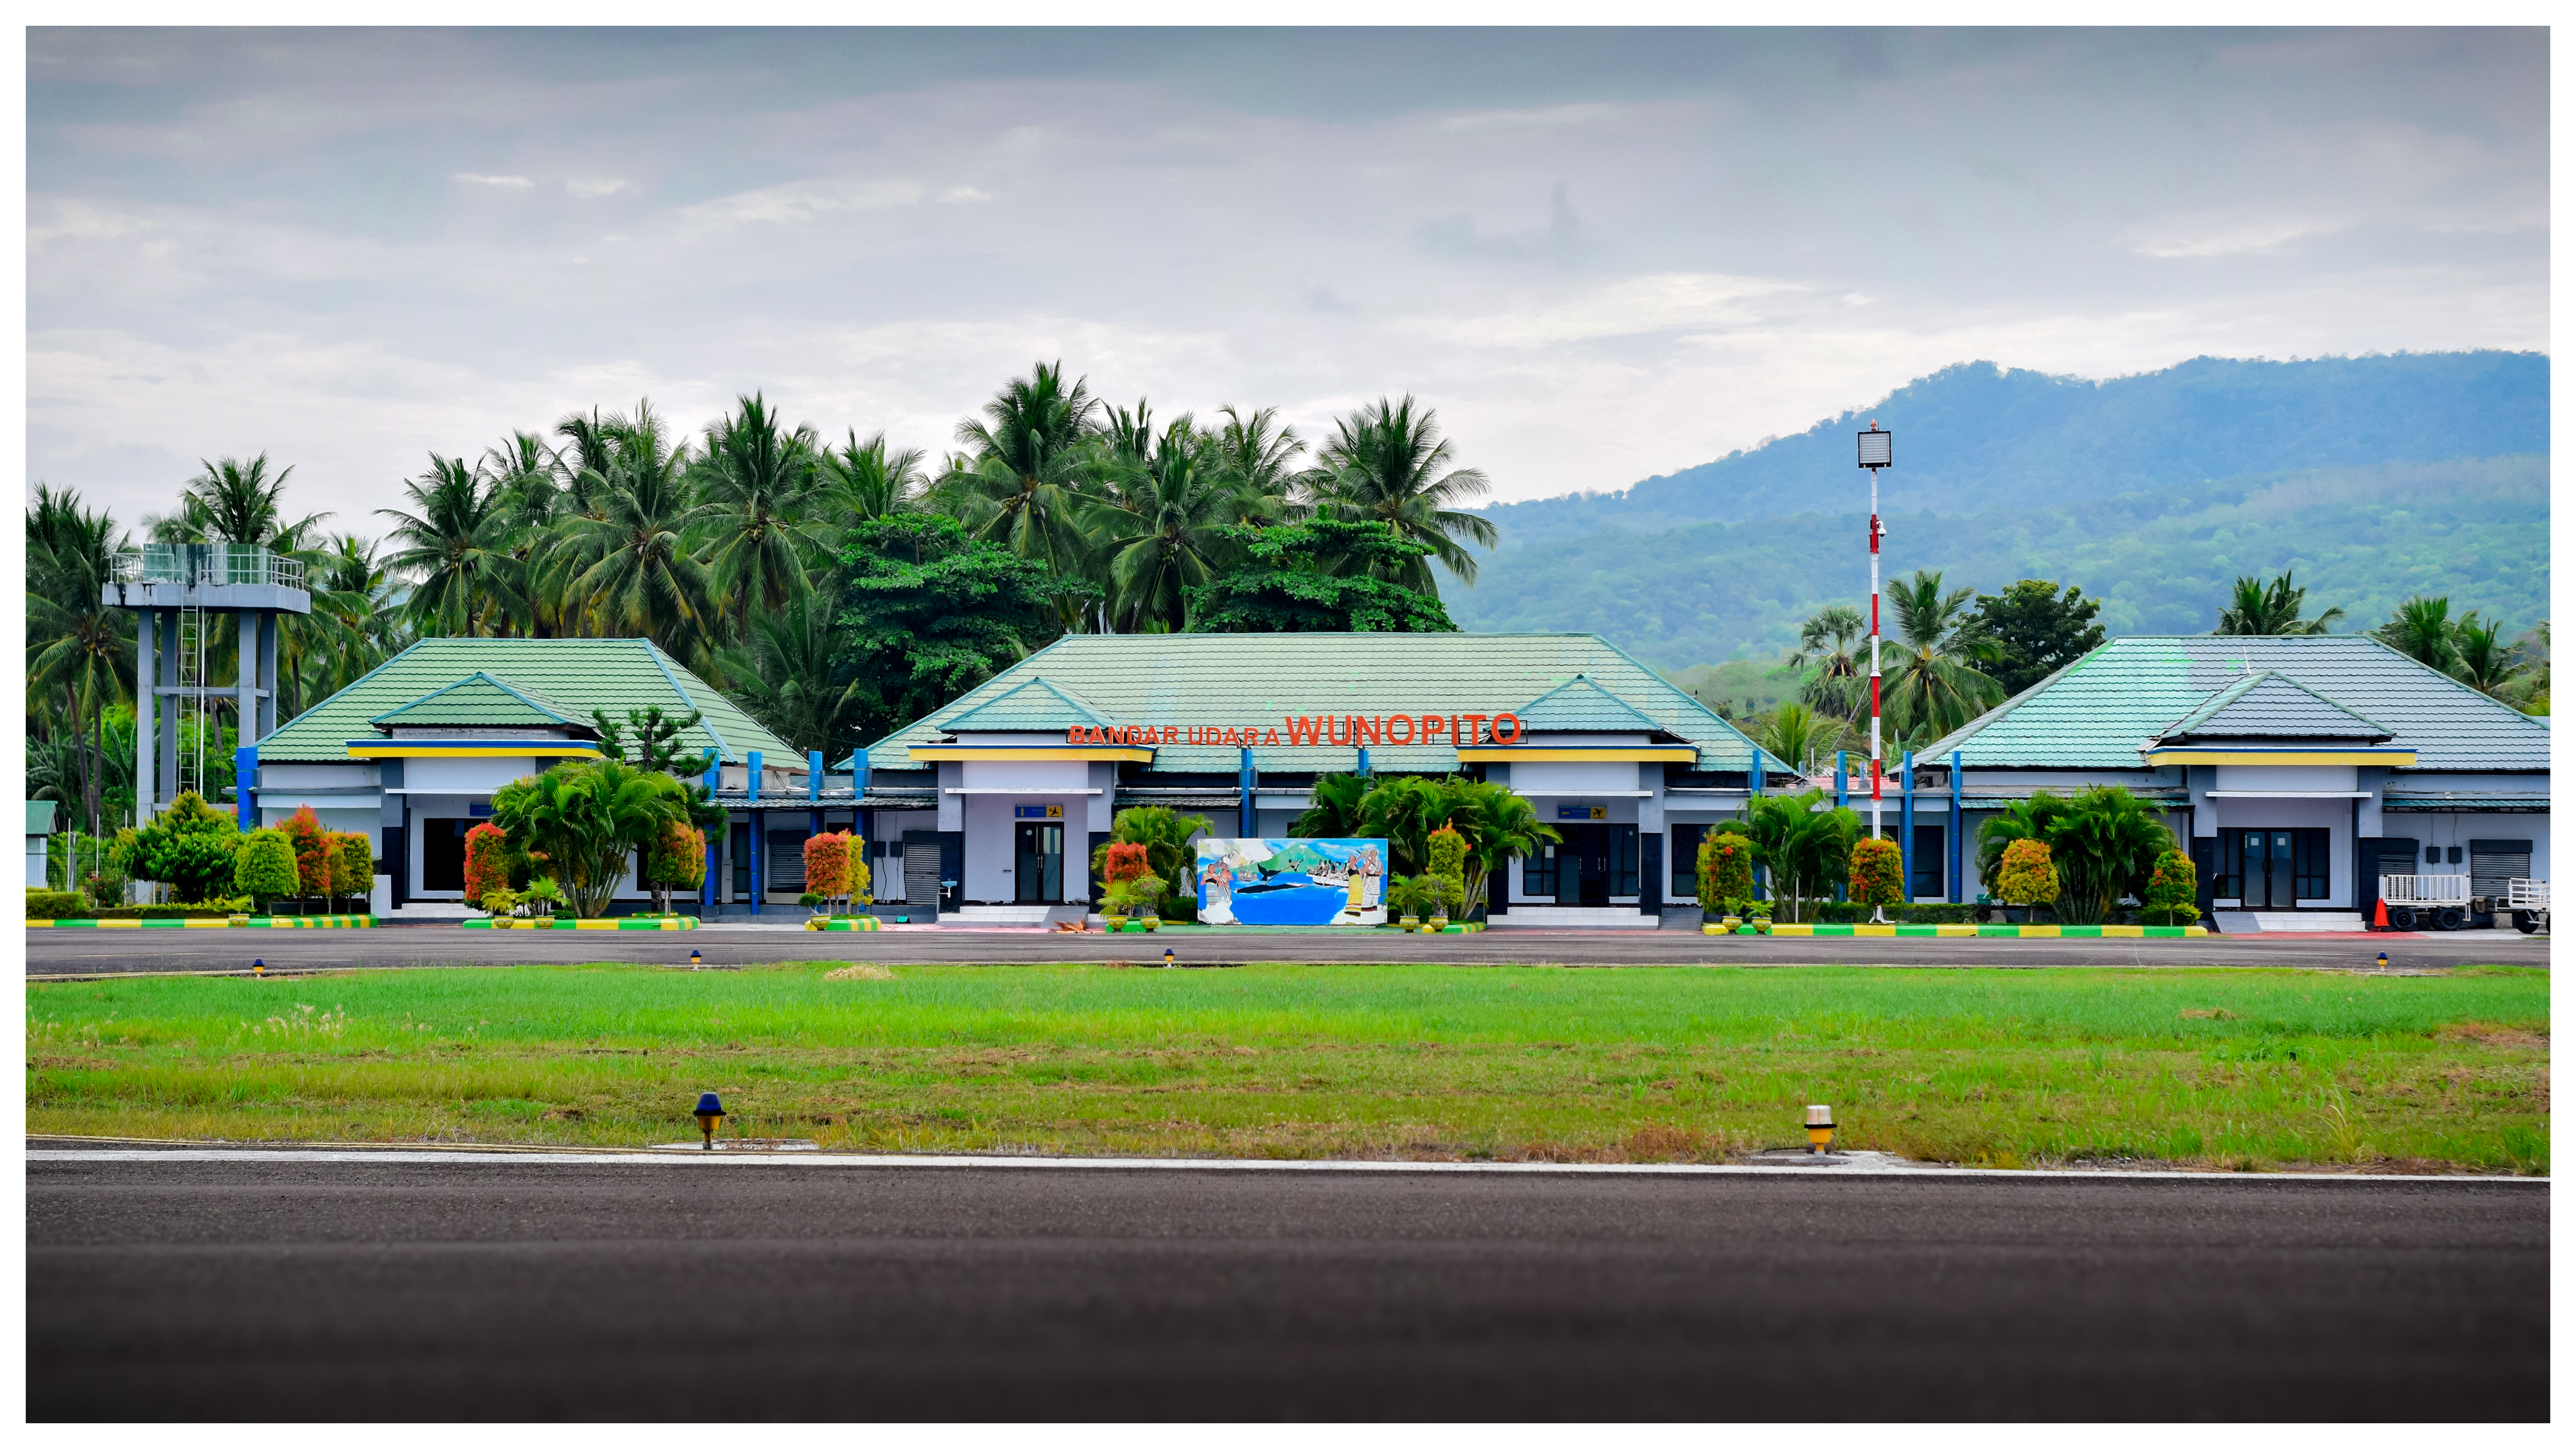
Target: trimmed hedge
45	905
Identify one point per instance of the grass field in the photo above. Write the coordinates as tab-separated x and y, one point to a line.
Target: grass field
2219	1068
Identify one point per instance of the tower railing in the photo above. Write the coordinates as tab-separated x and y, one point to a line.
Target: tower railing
207	563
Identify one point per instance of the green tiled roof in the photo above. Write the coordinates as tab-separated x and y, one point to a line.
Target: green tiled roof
576	676
40	817
478	699
1258	680
2097	711
1035	705
2272	705
1581	705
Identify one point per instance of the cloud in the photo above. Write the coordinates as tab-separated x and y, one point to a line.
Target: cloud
799	201
1670	302
589	189
501	183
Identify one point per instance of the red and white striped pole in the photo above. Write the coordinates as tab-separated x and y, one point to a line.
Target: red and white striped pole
1877	450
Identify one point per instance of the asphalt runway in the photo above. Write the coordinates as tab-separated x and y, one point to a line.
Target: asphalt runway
315	1289
58	952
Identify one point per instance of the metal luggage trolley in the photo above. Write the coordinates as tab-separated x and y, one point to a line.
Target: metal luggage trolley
2417	901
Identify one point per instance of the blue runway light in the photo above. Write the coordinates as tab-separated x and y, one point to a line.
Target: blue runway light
258	967
710	1111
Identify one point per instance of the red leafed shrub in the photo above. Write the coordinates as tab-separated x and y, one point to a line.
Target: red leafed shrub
487	861
313	851
1126	862
1877	873
827	865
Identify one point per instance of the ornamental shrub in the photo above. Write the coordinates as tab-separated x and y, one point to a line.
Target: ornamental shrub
189	847
312	852
1127	861
827	865
2171	890
858	887
1725	871
45	905
677	861
353	864
1877	873
544	894
487	862
1446	851
264	867
2027	877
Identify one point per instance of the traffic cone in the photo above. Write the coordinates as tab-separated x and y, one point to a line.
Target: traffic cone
2379	918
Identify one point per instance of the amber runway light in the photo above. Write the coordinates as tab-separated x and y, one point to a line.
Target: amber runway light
1820	1127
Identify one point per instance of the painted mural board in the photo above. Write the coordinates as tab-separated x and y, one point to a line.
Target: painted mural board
1273	882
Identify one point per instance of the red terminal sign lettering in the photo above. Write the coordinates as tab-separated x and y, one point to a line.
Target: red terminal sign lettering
1337	731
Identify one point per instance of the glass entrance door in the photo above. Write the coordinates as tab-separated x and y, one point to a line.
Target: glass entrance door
1037	866
2281	868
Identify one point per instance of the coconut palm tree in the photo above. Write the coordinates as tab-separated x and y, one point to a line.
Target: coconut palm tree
1334	813
1829	642
1387	463
2483	659
638	575
455	543
1802	737
1803	843
1161	530
237	502
1258	456
2255	607
2104	845
1027	469
2423	630
868	480
79	649
1932	684
786	676
756	484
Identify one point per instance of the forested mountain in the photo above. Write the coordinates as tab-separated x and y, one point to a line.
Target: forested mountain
1975	438
2364	538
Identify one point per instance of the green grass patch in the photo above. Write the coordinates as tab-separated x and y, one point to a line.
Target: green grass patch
2221	1068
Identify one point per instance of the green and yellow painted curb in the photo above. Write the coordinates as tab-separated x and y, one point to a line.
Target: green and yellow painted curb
256	923
566	923
843	923
1963	931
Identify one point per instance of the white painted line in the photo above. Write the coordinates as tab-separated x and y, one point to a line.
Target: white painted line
618	1158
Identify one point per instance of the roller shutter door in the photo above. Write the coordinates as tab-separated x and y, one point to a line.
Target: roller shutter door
2493	862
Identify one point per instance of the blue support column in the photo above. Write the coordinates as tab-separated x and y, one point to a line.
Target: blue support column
707	887
759	832
1250	780
1753	779
245	775
814	791
1842	801
1958	841
1364	764
862	825
1905	828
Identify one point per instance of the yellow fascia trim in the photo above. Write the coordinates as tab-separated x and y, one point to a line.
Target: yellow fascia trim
473	752
1505	754
1033	752
2271	757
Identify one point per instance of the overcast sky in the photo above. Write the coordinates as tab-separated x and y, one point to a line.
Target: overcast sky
1599	255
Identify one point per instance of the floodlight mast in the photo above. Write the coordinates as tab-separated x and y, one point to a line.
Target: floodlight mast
1877	450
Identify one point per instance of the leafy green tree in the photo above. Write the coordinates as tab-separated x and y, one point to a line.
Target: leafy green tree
1933	684
928	613
2105	848
1498	827
2032	819
2255	607
1324	575
263	868
789	676
1388	464
586	820
651	742
1164	835
190	847
2037	628
1403	810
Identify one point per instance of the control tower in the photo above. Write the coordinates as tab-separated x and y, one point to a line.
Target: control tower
187	594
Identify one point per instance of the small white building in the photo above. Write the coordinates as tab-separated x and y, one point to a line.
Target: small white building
40	825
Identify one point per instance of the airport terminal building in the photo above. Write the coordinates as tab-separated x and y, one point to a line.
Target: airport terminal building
2299	770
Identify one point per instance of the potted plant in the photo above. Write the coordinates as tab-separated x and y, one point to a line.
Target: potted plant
543	896
1404	896
1761	910
1121	900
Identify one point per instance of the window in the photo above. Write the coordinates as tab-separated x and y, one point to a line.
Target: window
1685	863
1930	865
1623	860
2311	861
739	848
2227	873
